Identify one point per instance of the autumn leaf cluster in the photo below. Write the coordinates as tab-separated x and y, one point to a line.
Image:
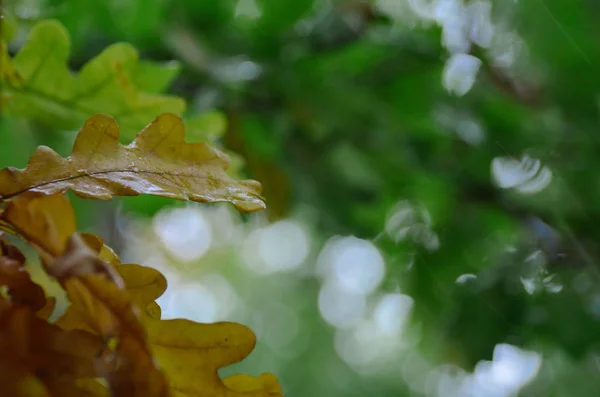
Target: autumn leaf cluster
111	340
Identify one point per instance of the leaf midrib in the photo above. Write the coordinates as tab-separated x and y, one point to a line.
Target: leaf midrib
93	174
72	104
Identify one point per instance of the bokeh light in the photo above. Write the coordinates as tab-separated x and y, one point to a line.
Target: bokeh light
428	168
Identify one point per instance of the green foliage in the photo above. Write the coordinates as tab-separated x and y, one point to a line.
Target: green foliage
348	117
8	27
39	85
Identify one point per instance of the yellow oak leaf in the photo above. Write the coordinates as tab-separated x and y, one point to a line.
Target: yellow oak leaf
143	284
99	303
190	353
158	162
46	222
101	306
105	253
247	383
143	355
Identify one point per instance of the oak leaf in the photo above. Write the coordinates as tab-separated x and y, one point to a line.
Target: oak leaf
117	303
44	221
144	284
14	277
38	84
99	303
191	353
105	253
158	162
246	383
40	359
48	224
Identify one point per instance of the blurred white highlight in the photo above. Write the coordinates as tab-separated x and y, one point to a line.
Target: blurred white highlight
527	176
460	73
354	265
184	233
409	221
509	371
452	17
463	125
341	308
481	29
463	24
376	340
282	246
391	313
192	301
465	278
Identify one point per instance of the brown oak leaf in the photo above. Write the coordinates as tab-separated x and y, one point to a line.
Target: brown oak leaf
100	305
158	162
41	359
15	278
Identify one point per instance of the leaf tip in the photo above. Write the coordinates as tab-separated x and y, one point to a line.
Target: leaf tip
52	30
89	133
170	119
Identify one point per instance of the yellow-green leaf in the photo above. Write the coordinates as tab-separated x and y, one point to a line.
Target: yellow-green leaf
156	77
8	25
45	89
207	126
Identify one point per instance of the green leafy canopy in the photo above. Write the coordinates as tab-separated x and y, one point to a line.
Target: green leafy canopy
37	83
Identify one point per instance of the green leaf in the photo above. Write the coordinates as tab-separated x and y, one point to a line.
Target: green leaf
260	137
8	26
206	127
156	77
45	90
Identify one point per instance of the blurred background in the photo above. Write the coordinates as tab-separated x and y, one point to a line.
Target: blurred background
431	175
